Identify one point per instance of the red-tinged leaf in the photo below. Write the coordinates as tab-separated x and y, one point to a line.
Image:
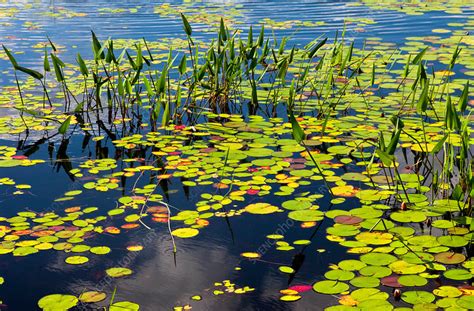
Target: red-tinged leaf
301	288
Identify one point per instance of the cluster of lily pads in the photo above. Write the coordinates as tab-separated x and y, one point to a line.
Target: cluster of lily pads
388	129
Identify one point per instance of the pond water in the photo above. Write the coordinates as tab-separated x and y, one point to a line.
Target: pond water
209	265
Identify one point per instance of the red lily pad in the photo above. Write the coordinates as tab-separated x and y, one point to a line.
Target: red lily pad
348	220
391	281
450	258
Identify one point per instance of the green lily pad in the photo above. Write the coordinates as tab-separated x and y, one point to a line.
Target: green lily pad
465	302
443	224
351	265
261	208
343	230
57	302
76	260
295	205
117	272
458	274
24	251
452	240
375	238
408	216
378	259
417	297
403	267
376	271
306	215
92	296
339	275
363	294
124	306
365	281
100	250
290	298
330	287
412	280
286	269
185	233
447	291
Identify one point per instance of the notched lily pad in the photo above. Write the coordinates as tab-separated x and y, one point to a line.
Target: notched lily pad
330	287
57	302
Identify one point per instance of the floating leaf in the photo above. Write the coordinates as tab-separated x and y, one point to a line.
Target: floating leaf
261	208
118	272
452	241
92	296
100	250
391	281
330	287
290	298
351	265
408	216
250	255
450	258
403	267
375	238
295	205
24	251
124	306
363	294
412	280
458	274
76	260
286	269
348	220
185	233
306	215
365	281
134	248
376	271
417	297
339	275
343	230
57	302
447	291
378	259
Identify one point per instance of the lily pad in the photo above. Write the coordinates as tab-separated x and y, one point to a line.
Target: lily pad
261	209
378	259
403	267
295	205
375	271
450	258
412	280
417	297
286	269
76	260
351	265
185	233
92	296
458	274
306	215
447	291
57	302
118	272
339	275
124	306
365	281
408	216
330	287
452	240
